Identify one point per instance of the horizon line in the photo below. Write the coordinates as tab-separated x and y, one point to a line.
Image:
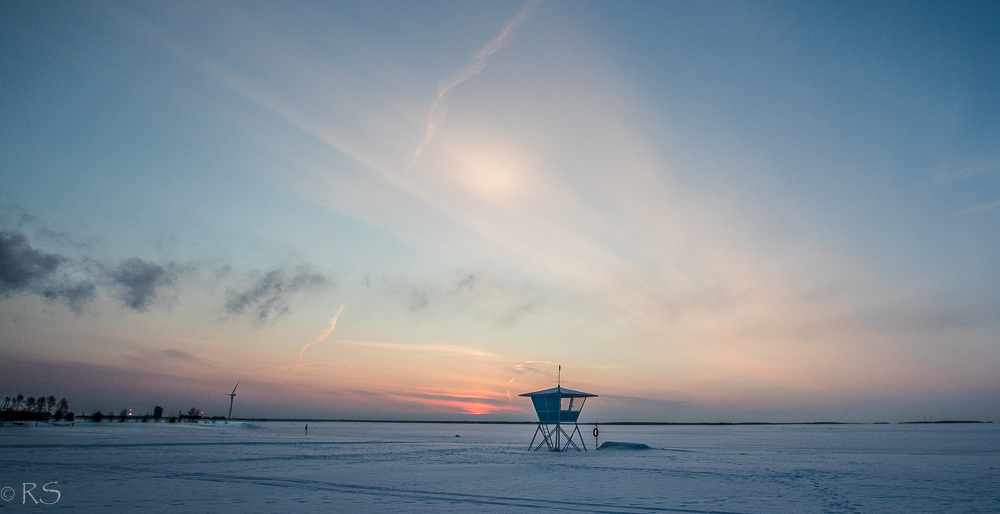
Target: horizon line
622	423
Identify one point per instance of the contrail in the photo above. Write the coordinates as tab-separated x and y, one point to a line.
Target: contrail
326	333
474	68
526	366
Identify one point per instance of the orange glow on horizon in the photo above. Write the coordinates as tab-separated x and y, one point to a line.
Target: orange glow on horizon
477	408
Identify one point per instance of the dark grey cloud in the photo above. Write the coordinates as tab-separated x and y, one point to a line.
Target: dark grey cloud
21	266
76	296
27	269
267	295
61	270
138	281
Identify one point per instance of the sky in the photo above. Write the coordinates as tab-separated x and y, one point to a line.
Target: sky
702	211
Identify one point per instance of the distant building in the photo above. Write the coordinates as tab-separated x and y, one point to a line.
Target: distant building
157	412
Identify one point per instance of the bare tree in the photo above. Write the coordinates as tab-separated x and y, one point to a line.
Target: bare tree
6	409
39	408
62	409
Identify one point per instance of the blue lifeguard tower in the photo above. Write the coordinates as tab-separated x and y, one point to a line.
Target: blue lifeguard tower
558	406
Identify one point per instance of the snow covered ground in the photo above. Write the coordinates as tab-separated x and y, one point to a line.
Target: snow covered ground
381	467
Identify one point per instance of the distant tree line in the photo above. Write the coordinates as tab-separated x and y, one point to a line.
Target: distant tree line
34	409
192	416
43	409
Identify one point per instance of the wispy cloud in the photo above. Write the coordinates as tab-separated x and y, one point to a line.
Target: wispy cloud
267	296
326	333
429	348
475	67
139	281
505	303
655	268
245	88
469	402
530	367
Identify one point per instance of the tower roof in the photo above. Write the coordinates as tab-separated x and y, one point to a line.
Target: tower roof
561	391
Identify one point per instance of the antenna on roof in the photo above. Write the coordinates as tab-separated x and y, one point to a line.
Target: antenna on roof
559	379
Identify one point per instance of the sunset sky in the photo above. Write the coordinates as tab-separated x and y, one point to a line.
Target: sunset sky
704	211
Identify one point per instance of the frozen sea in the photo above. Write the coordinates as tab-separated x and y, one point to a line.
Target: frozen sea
247	467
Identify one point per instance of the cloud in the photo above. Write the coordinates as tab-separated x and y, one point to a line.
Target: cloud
267	297
242	86
161	359
515	314
431	348
326	333
402	290
22	266
465	401
138	281
474	68
478	294
179	355
529	367
467	283
77	280
77	296
26	269
14	215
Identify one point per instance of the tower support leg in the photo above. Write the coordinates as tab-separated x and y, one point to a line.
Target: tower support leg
556	439
547	436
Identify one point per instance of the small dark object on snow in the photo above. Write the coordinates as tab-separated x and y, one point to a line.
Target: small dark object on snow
614	445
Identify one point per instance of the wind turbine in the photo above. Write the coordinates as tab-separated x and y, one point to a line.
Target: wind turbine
232	395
